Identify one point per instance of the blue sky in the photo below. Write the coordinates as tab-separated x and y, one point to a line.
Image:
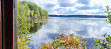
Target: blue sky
73	7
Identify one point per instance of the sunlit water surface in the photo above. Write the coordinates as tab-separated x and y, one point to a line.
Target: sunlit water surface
90	28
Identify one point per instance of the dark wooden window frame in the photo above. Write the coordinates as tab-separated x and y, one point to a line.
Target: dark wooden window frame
8	24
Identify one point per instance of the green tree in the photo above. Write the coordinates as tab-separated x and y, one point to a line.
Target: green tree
106	42
28	15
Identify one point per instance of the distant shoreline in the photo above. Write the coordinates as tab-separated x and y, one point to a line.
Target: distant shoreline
81	16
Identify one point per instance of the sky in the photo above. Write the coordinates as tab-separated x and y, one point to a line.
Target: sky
73	7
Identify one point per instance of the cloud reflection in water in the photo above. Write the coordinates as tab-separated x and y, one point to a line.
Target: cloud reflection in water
90	28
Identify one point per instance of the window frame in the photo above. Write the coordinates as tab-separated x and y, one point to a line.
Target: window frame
0	27
9	24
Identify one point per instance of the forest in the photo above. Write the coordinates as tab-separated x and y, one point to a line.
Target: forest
29	15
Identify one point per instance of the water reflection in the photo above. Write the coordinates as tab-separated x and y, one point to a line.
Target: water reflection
90	28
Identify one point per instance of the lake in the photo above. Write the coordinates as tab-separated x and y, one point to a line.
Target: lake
89	28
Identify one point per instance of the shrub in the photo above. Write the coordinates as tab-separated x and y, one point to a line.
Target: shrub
65	42
23	43
106	42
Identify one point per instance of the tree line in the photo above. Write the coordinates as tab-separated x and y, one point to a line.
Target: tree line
29	15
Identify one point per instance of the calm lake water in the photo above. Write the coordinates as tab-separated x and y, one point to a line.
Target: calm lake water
90	28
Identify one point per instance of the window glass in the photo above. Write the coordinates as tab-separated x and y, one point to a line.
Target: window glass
70	24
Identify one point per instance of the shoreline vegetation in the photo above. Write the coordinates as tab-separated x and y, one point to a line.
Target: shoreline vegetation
28	22
65	42
80	16
29	14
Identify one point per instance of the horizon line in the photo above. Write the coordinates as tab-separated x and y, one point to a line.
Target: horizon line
96	15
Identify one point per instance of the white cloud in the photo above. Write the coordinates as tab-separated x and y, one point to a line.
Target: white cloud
96	2
92	10
81	6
